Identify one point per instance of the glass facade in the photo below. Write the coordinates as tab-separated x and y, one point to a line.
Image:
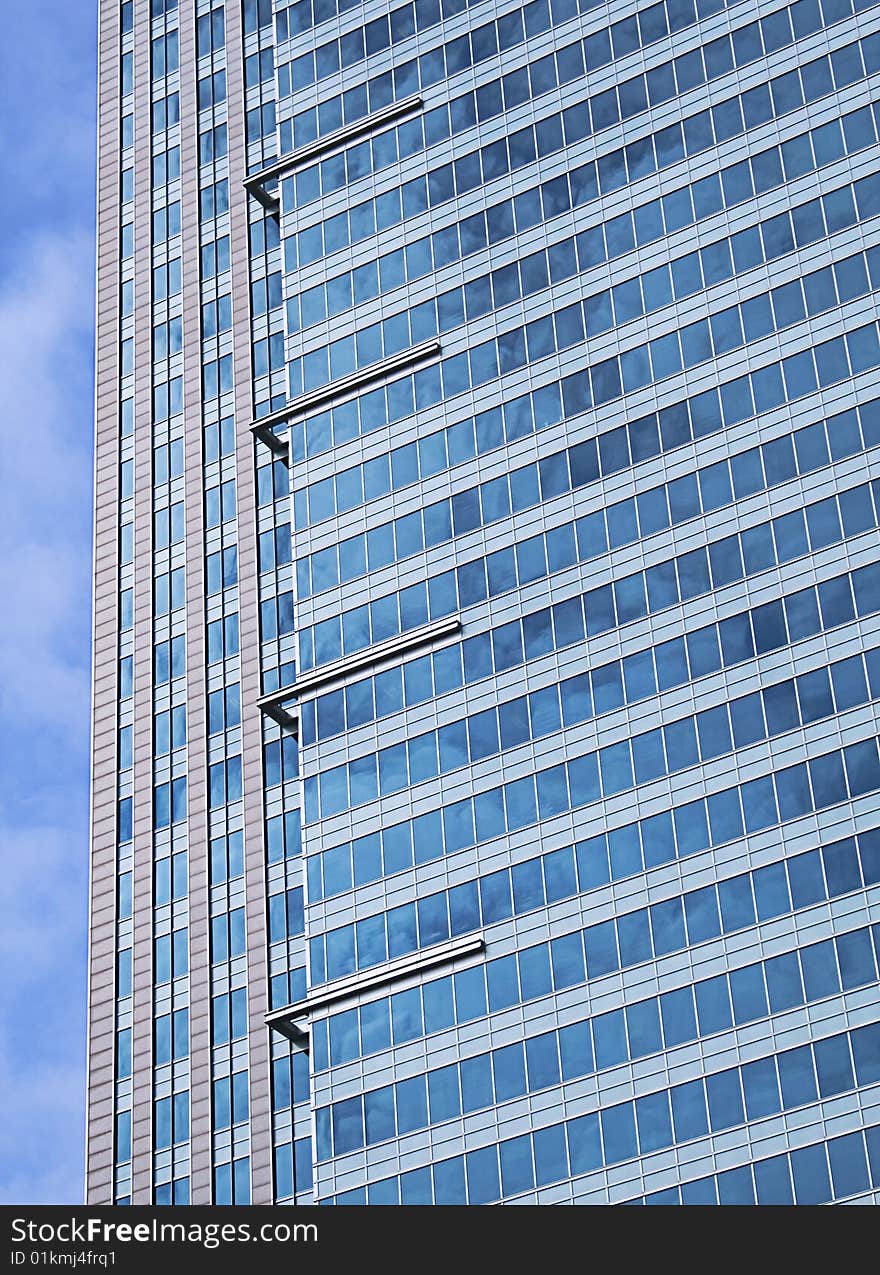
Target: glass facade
494	557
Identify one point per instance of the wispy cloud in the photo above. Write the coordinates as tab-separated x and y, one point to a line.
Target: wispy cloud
46	475
46	316
45	514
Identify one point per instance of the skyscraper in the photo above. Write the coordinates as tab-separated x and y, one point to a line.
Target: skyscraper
487	603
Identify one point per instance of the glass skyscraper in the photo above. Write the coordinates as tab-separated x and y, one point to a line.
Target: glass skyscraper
486	799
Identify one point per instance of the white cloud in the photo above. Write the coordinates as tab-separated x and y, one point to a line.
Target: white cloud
45	584
42	1044
45	401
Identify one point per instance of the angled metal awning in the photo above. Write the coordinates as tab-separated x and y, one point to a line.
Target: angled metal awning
292	1021
257	184
263	429
274	703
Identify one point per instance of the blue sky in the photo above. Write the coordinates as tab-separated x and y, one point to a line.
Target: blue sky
47	167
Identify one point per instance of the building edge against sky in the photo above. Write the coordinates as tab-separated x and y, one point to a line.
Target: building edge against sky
486	787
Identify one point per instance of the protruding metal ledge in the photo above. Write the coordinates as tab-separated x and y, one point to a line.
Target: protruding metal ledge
392	649
292	1020
365	376
262	430
264	427
256	184
273	706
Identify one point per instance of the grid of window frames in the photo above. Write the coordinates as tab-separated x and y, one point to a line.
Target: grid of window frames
653	746
292	1155
602	177
713	264
719	1100
730	575
841	1168
675	579
744	995
230	1082
497	36
123	947
591	115
171	1104
622	523
686	829
745	720
679	743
